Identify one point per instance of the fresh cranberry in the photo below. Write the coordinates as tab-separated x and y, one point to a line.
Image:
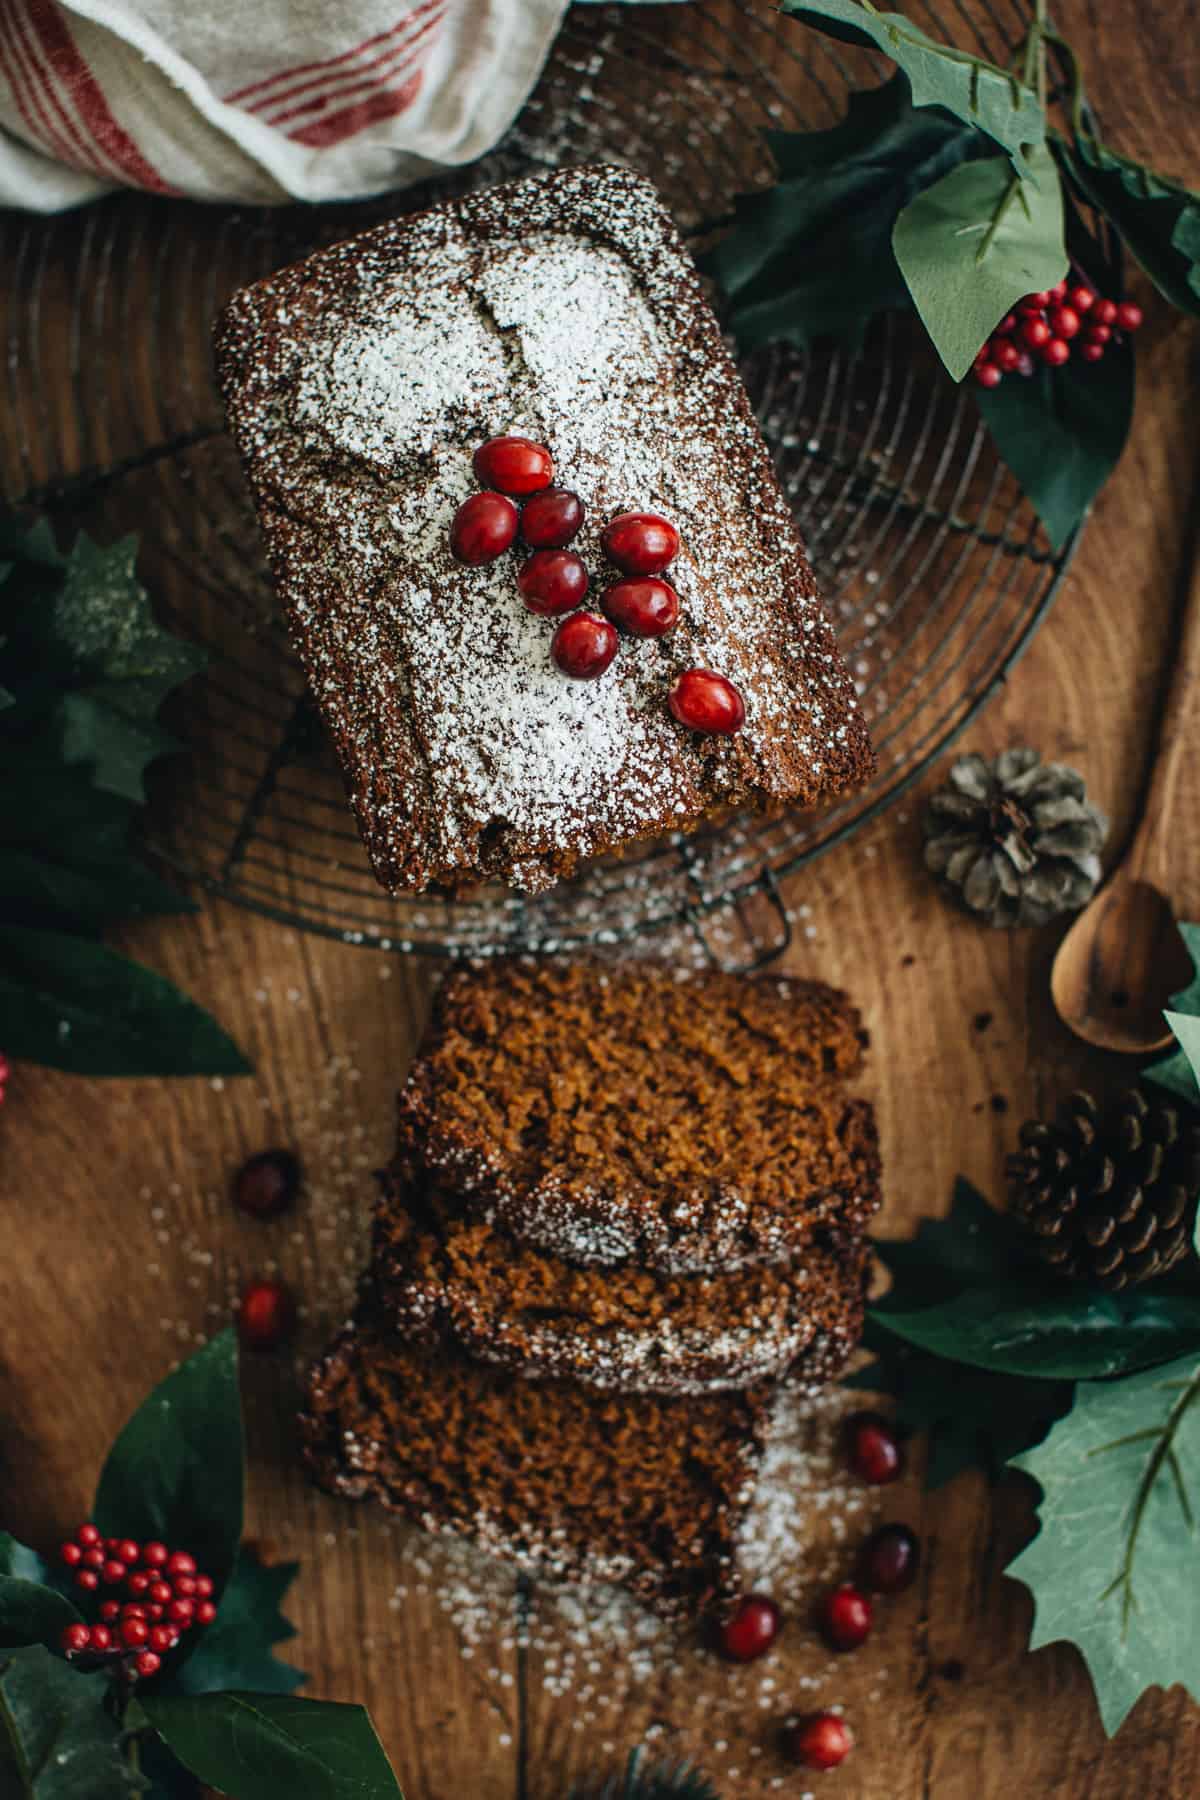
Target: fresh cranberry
873	1448
159	1593
553	582
484	527
88	1580
134	1633
267	1184
1097	334
1064	321
1104	313
72	1555
161	1637
1082	298
88	1536
1033	303
147	1664
185	1587
99	1638
180	1612
1129	315
644	606
640	543
1007	326
154	1555
514	465
1005	355
265	1317
138	1582
550	520
112	1573
110	1610
583	646
127	1551
845	1618
205	1612
1056	352
204	1587
1036	332
180	1563
1092	351
1058	291
751	1631
989	374
707	702
75	1638
889	1560
821	1741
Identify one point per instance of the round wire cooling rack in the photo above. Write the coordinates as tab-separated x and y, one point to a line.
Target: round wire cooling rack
933	564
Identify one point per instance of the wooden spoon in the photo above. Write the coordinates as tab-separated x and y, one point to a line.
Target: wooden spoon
1123	958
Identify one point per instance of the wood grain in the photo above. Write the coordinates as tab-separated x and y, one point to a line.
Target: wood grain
122	1249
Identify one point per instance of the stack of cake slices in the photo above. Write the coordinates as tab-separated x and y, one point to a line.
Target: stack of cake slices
626	1215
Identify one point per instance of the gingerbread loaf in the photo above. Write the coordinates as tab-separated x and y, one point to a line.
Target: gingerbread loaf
357	385
638	1113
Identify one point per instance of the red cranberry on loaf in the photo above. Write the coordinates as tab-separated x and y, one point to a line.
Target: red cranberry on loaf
584	645
514	465
705	701
640	543
484	527
550	519
645	606
553	582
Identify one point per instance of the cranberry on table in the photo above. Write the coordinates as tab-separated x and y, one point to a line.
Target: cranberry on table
1092	351
821	1741
889	1560
134	1633
514	465
1056	352
1006	355
645	606
550	520
265	1317
1128	316
1082	298
705	701
484	527
553	582
872	1448
267	1184
640	543
1064	321
1104	312
75	1638
1036	332
99	1638
845	1617
154	1554
989	374
584	645
751	1631
88	1536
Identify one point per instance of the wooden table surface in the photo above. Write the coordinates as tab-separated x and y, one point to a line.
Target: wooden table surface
122	1250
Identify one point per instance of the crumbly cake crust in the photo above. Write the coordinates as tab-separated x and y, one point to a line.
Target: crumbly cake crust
357	384
631	1329
688	1121
562	1480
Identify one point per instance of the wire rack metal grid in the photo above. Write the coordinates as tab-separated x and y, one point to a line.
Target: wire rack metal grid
933	564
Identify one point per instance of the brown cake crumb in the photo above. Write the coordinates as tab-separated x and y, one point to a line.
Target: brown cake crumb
688	1121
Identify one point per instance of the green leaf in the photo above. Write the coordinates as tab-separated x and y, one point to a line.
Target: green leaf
31	1612
1157	220
1062	1332
1178	1072
1062	432
1111	1569
811	257
995	102
116	750
74	1005
235	1650
972	1246
57	1739
974	1418
175	1472
271	1746
975	243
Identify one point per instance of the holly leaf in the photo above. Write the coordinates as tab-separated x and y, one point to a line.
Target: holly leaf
31	1611
975	243
1058	1332
268	1746
235	1650
1179	1072
175	1472
70	1003
811	257
1062	432
60	1740
992	100
1110	1567
1157	220
970	1247
974	1418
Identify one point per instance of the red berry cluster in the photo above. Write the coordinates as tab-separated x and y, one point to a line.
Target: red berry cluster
167	1596
1045	326
554	580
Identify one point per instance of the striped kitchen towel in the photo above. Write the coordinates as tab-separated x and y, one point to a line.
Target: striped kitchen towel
257	100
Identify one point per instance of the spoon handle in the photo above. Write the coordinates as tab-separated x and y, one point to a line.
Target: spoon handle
1179	728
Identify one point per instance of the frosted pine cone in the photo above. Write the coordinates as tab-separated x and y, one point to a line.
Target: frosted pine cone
1017	839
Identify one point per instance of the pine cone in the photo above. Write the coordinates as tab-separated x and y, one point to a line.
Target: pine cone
1108	1196
1016	839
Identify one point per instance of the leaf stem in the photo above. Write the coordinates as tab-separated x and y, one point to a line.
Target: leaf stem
989	237
1164	1453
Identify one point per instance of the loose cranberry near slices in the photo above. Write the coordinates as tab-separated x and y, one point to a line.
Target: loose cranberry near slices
484	527
751	1631
705	701
550	520
583	646
514	465
267	1184
873	1449
845	1618
644	606
821	1741
265	1317
640	543
553	582
889	1560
